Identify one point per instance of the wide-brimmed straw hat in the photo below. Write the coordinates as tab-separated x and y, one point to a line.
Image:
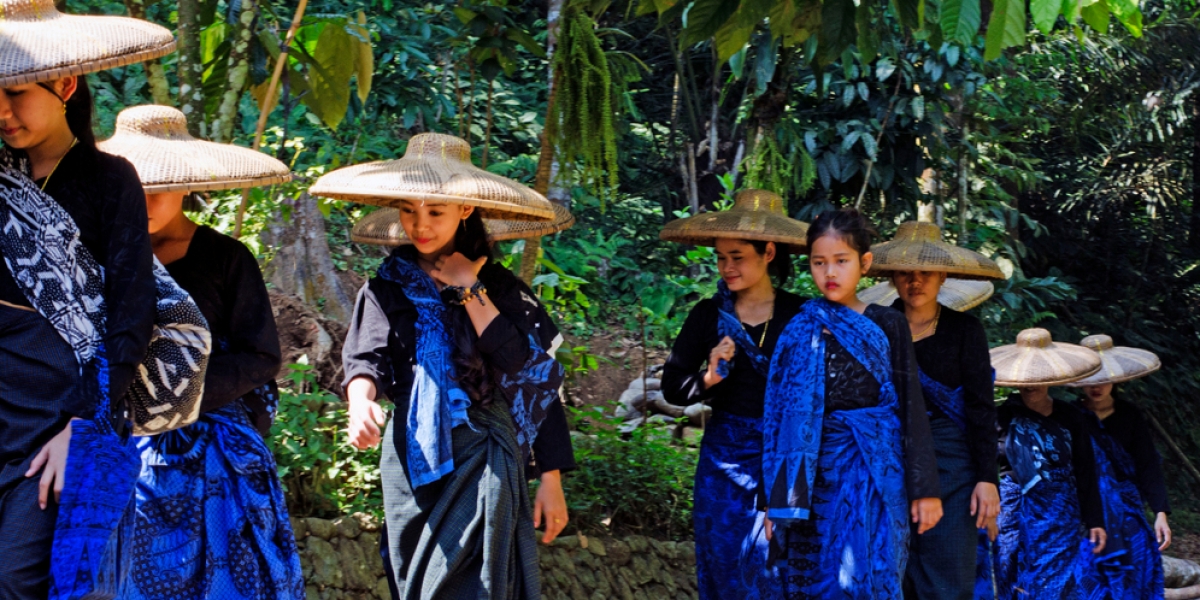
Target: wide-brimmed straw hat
382	228
1119	363
435	168
1037	361
756	215
168	159
38	43
918	246
959	294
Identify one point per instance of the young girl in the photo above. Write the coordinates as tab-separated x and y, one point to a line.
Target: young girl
464	350
848	459
956	378
209	490
721	356
71	336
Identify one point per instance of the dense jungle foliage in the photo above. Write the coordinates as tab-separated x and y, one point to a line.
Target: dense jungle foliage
1063	139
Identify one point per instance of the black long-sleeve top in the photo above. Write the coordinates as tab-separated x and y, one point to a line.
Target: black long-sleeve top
1129	428
103	194
849	385
1083	457
742	392
956	355
382	339
224	280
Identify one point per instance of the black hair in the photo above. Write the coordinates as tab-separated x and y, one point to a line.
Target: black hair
473	373
79	111
781	266
846	223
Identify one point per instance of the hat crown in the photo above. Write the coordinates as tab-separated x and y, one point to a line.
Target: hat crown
1098	343
26	10
759	200
154	121
919	231
438	145
1034	338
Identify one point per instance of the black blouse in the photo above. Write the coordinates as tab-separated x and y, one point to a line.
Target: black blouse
1083	458
956	355
381	345
1129	428
103	194
224	281
742	392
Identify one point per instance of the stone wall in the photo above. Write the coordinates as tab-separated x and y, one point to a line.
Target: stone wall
341	561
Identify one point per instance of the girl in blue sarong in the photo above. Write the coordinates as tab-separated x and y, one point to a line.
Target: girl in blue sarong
1051	517
847	453
1129	472
721	357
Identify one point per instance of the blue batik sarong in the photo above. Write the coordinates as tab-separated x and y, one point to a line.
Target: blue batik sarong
210	518
835	483
1130	565
1044	550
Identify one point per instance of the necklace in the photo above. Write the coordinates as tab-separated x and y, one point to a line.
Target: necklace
932	324
763	337
46	181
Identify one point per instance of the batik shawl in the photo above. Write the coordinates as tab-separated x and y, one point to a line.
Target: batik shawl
1130	565
728	324
952	402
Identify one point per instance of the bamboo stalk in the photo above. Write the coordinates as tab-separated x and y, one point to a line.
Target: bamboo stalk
1187	463
264	110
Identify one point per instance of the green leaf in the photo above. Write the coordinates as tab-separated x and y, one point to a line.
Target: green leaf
465	15
910	12
731	38
868	36
335	59
960	20
364	59
1006	27
752	12
837	30
1045	13
705	17
526	41
1096	15
783	13
1128	13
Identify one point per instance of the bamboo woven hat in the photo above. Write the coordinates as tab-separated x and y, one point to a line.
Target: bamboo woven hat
435	168
382	228
756	215
38	43
1119	363
168	159
959	294
1037	361
918	246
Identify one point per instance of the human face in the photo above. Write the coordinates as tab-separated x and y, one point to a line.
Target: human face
432	226
1098	398
162	209
918	289
836	268
740	264
30	114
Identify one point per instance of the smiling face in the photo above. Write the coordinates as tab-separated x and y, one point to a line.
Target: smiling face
1098	398
918	289
836	267
30	114
740	264
162	209
432	226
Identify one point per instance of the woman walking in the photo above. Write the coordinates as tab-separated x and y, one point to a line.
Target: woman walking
956	378
847	457
721	357
465	351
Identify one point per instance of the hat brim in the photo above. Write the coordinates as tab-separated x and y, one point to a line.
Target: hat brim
1114	369
1058	364
192	165
58	45
383	228
705	229
957	294
935	256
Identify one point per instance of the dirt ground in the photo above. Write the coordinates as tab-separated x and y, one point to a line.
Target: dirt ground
1186	546
620	360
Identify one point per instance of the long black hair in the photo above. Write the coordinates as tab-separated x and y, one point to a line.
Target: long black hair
79	111
473	374
848	224
781	266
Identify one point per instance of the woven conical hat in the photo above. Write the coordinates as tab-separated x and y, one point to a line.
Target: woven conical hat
918	246
1120	363
168	159
1037	361
38	43
959	294
756	215
435	168
382	228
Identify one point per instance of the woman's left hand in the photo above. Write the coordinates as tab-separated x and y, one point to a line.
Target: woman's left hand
551	504
1162	531
457	270
985	505
926	512
51	460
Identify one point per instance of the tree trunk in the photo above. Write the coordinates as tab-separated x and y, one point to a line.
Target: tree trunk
964	166
1194	234
191	66
302	265
239	71
156	76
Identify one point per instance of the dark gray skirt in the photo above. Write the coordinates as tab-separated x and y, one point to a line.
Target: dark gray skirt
469	534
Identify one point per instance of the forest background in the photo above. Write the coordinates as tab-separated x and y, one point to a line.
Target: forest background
1060	138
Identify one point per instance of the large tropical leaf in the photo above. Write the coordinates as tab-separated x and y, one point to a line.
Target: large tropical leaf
837	30
335	57
364	58
705	17
1045	13
1006	27
960	20
1097	17
1127	12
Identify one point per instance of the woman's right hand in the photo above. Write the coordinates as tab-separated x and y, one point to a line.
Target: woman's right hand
724	350
51	462
366	416
1099	538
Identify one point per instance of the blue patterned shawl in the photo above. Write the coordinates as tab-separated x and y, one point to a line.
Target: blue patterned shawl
950	401
728	324
795	400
